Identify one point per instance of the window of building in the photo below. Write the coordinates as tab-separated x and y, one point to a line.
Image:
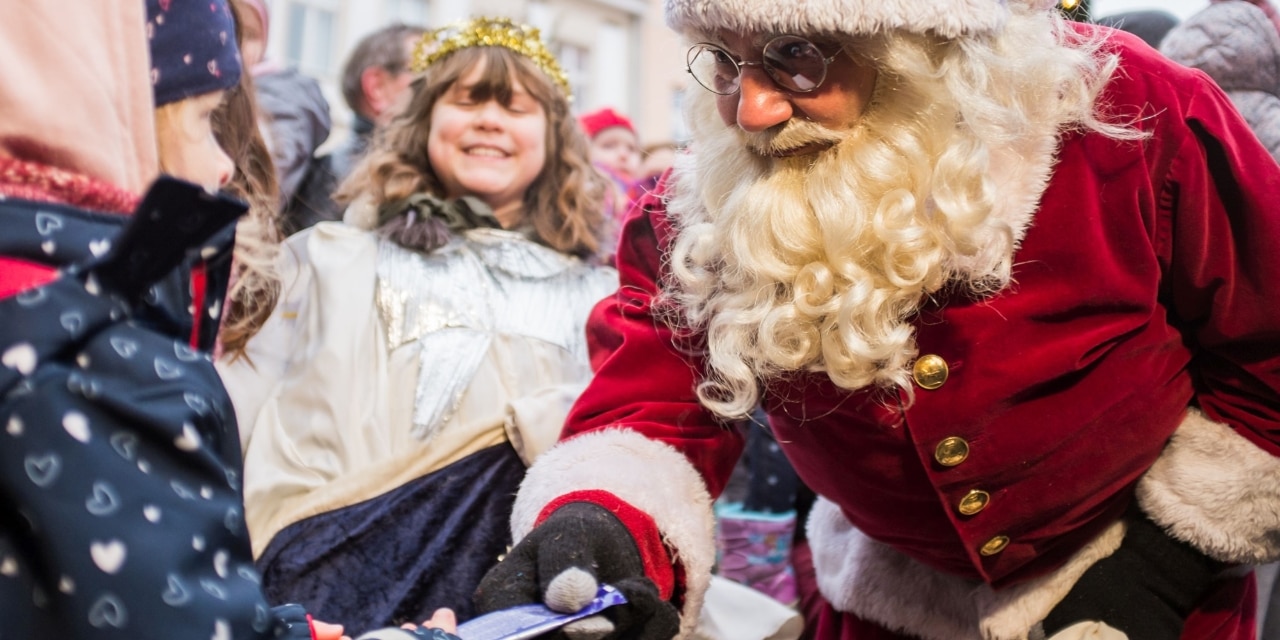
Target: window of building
409	11
310	35
576	62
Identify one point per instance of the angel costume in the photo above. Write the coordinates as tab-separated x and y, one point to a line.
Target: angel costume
390	405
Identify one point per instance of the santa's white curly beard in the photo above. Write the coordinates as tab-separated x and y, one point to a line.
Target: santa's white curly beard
818	262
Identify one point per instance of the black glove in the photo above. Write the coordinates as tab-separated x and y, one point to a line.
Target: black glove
563	561
1147	588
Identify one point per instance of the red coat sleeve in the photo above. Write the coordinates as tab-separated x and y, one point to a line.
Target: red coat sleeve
1222	260
646	374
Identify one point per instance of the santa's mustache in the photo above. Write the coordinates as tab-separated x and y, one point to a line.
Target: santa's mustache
792	136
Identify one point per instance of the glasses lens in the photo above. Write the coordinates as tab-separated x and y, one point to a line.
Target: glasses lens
795	63
713	68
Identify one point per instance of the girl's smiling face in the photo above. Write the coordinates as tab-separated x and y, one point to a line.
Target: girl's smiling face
488	149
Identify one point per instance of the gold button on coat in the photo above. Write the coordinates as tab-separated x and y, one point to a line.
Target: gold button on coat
994	545
930	371
951	451
974	501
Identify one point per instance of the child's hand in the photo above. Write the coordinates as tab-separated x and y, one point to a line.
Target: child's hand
443	619
442	625
327	631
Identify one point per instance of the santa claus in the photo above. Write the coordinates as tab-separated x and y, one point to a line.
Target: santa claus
1005	286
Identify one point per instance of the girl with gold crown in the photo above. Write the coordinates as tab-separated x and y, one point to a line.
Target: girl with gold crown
423	354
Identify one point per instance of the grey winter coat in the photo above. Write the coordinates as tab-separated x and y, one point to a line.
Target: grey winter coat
1237	45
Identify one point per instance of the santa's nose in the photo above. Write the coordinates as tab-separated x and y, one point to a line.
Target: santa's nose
761	103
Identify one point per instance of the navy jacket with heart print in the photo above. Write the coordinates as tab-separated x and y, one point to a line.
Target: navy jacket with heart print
120	505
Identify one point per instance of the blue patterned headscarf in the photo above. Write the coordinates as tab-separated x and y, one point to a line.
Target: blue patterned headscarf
193	48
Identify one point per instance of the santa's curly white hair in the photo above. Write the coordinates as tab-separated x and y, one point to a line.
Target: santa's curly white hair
820	263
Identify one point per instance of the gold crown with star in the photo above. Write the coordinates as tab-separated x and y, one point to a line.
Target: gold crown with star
489	32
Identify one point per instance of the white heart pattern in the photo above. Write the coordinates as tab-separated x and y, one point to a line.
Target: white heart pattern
167	370
31	297
197	543
124	347
48	247
47	223
14	427
185	353
261	618
220	563
43	470
151	513
247	572
190	438
176	594
9	566
221	630
233	521
72	321
103	500
212	588
67	585
108	611
20	357
109	556
182	490
79	384
99	247
196	402
77	425
125	444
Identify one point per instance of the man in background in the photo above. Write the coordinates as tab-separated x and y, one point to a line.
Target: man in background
295	113
375	79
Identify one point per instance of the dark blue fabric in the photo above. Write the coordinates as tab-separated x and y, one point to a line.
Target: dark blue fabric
120	505
772	483
398	557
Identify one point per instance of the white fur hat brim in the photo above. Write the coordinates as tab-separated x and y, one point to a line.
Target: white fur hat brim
947	18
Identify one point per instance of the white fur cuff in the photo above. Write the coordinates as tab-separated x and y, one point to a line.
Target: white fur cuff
1217	491
861	576
949	19
647	474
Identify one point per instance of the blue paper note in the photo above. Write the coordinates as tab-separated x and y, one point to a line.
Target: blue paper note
532	620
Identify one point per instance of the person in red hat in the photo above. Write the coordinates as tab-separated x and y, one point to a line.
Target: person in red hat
1005	287
615	151
614	143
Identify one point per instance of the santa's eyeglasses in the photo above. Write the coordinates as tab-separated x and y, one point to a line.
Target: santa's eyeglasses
793	63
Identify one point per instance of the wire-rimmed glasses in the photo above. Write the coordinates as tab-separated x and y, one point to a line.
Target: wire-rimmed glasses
793	63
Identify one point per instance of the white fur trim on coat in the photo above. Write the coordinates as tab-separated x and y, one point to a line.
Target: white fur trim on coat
647	474
1217	491
861	576
950	19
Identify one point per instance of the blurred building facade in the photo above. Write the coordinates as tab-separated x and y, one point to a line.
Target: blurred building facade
617	53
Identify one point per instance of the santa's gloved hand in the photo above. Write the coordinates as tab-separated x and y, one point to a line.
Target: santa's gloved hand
562	563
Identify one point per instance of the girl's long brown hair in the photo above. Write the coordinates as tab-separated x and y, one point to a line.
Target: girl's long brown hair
256	285
565	204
